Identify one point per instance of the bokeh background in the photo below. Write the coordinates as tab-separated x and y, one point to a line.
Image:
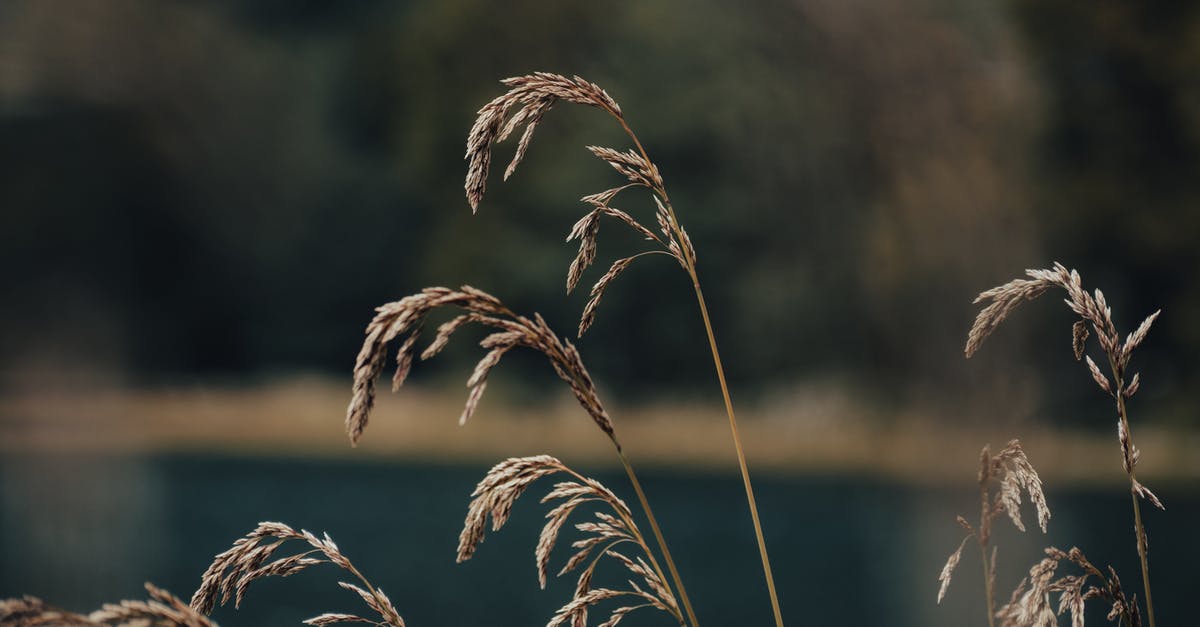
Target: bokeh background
201	203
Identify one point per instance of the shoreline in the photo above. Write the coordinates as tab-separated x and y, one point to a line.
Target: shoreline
302	417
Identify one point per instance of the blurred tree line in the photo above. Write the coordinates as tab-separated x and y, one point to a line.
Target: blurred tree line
226	189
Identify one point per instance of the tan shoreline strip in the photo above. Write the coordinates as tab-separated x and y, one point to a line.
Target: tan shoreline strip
303	417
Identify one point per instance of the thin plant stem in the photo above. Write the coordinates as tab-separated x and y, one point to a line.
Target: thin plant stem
1139	529
1137	521
737	442
716	355
987	584
983	535
654	526
662	543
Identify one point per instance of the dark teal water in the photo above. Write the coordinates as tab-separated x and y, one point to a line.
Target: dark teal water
846	550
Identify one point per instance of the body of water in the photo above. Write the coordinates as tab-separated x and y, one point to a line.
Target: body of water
79	531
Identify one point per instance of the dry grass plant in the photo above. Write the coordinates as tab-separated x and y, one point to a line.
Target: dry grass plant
29	611
505	482
250	558
1030	601
402	321
611	525
1010	468
162	609
232	571
531	96
228	577
1095	318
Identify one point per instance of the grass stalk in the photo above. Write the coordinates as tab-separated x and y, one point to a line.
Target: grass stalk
1139	529
532	95
1137	521
716	356
1094	312
658	536
987	585
737	443
983	536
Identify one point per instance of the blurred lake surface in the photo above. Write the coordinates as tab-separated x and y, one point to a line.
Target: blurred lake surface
79	530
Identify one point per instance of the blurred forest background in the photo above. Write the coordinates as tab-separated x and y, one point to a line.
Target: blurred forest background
201	203
220	191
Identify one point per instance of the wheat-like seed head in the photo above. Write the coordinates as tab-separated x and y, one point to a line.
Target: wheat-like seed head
233	570
163	609
1012	470
532	95
499	489
31	611
948	569
1017	474
631	165
333	618
1032	606
589	311
1145	493
586	230
404	318
1093	310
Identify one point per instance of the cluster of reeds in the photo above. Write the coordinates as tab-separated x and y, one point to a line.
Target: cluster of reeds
401	322
404	319
528	99
1030	604
611	534
255	556
228	577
